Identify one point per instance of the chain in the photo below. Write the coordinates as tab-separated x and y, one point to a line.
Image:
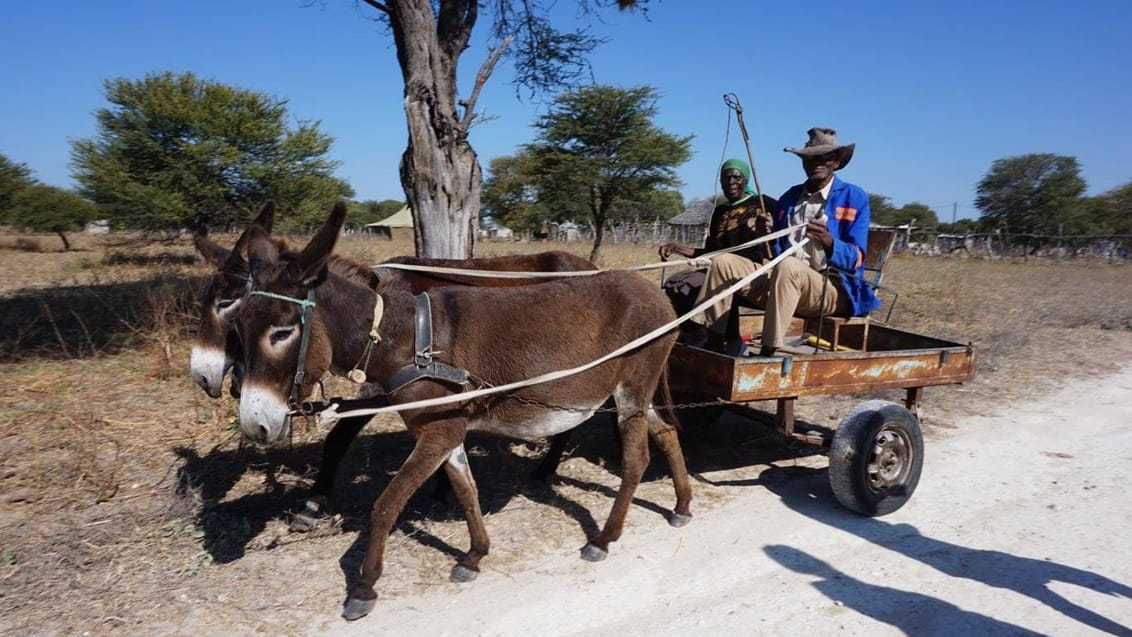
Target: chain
720	402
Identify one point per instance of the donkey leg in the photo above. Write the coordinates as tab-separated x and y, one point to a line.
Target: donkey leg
337	442
634	459
664	434
435	441
464	485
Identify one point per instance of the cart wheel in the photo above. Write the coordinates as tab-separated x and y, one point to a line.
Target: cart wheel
876	458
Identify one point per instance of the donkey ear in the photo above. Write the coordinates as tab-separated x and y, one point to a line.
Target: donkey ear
261	250
266	216
313	258
214	253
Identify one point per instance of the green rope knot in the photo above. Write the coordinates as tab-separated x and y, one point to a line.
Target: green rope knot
305	304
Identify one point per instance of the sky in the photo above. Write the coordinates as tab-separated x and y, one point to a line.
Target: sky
930	92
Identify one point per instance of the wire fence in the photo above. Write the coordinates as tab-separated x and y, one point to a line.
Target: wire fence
927	242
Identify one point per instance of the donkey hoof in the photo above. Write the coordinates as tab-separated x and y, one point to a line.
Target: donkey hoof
679	519
357	608
309	518
461	574
592	553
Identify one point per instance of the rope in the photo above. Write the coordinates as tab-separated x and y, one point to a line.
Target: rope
331	415
302	303
701	261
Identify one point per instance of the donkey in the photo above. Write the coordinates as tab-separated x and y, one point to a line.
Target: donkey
498	335
217	348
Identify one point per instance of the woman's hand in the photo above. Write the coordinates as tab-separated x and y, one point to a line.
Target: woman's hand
667	249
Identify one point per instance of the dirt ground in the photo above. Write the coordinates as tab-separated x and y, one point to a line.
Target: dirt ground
129	505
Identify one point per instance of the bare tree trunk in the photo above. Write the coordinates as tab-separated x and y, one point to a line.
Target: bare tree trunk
66	244
439	169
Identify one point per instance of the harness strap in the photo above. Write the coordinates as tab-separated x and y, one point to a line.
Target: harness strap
424	365
304	344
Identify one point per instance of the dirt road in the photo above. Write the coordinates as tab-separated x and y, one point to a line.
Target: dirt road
1019	526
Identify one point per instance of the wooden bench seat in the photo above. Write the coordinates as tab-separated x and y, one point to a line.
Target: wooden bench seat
837	331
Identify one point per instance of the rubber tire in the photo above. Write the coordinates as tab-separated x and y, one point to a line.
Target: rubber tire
853	451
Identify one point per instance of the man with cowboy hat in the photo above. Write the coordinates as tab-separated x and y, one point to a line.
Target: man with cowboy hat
836	214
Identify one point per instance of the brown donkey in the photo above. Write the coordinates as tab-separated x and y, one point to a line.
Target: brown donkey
498	335
217	348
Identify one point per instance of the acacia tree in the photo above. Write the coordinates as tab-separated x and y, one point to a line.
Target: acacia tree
13	178
597	148
509	194
50	209
1032	193
440	172
175	151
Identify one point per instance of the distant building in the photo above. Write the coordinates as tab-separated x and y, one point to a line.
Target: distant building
691	226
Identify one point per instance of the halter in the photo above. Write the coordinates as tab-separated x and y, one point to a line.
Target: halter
307	306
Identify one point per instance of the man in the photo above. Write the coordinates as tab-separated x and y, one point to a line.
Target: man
836	214
736	221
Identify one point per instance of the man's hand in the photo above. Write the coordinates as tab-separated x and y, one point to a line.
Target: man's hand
667	249
818	232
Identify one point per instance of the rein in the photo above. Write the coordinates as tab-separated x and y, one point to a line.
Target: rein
307	306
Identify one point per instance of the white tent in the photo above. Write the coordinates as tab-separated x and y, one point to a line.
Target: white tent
403	218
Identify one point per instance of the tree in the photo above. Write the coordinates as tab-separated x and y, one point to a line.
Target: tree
510	196
1032	194
881	210
1117	213
13	178
439	169
597	147
47	208
916	213
175	151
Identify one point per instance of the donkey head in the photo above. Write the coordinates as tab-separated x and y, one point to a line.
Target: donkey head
216	348
285	344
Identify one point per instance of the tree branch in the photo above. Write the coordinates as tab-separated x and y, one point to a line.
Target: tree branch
482	76
380	6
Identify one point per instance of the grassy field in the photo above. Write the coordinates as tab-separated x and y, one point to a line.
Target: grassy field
130	505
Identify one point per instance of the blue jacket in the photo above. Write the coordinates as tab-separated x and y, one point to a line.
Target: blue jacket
847	213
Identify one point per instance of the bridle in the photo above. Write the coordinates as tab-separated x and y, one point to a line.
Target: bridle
307	306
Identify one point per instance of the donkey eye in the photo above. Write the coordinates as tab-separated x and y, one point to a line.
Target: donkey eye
280	335
224	305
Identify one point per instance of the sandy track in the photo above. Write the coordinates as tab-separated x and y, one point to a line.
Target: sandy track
1019	526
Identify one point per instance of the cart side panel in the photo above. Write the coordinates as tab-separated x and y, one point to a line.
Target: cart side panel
840	373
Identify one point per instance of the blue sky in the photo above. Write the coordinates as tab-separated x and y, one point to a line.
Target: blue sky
930	92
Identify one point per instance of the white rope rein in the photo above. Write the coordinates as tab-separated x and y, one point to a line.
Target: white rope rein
331	415
701	261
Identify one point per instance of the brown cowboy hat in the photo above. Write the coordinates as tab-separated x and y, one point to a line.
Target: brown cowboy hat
822	141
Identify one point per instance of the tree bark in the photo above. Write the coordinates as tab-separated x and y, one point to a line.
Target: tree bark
439	169
66	244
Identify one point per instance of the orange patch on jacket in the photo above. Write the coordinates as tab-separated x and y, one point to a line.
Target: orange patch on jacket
842	213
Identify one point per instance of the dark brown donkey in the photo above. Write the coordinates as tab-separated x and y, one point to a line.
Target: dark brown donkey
217	348
499	336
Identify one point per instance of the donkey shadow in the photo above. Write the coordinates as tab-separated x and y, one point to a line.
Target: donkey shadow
230	524
807	491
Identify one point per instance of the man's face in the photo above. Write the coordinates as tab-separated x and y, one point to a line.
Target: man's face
820	168
733	183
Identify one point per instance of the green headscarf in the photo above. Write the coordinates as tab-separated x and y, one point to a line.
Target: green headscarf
741	166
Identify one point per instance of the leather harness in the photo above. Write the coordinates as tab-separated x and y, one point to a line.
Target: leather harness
424	365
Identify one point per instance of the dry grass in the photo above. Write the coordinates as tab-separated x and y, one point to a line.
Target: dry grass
129	504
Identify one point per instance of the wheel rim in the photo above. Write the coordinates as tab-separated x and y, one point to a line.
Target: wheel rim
890	460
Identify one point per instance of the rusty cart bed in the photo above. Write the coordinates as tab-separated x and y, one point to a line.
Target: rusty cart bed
876	453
